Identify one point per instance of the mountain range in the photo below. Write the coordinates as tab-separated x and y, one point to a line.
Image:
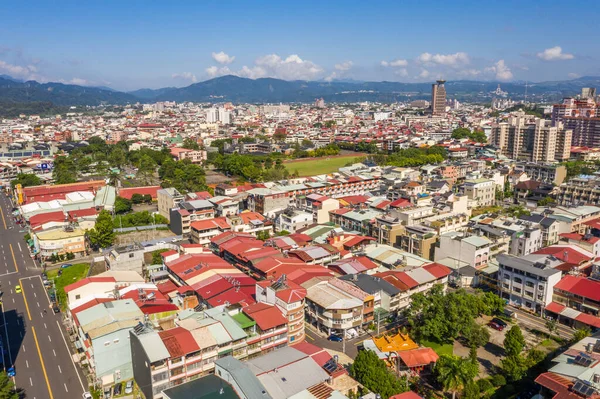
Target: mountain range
268	90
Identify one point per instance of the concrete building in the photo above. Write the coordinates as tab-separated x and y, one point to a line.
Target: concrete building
481	191
125	258
187	212
293	220
528	281
438	98
59	241
471	249
168	198
552	174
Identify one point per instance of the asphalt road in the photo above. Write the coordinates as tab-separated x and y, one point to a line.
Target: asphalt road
33	336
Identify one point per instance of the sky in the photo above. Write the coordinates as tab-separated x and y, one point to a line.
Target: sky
128	45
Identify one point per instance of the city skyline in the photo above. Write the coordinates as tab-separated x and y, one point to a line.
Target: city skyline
134	45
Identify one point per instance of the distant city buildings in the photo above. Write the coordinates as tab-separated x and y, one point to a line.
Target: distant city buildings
438	98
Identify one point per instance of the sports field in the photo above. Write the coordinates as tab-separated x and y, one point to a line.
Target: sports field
319	166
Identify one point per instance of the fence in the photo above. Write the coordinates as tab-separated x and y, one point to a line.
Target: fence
138	228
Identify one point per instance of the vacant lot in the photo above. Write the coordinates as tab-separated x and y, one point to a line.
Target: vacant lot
69	275
319	166
143	235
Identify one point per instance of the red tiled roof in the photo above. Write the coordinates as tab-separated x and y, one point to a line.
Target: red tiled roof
354	199
401	203
232	297
41	218
166	287
418	357
437	270
406	395
594	224
556	383
400	280
208	224
566	253
45	190
128	192
79	213
579	237
555	307
588	319
265	316
179	341
581	286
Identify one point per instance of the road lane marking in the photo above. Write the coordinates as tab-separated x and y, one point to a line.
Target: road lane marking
3	219
53	351
19	244
13	255
30	381
70	356
65	387
59	369
42	362
45	326
24	348
51	341
35	295
38	304
27	363
25	299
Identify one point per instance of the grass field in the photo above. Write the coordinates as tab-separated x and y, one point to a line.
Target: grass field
319	166
69	275
443	349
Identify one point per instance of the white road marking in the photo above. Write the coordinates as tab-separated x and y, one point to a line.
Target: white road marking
35	295
13	300
27	363
59	369
50	339
45	325
38	304
71	357
65	387
53	351
9	283
19	243
30	381
24	348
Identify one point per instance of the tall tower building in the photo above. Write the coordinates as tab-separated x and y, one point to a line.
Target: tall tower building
438	98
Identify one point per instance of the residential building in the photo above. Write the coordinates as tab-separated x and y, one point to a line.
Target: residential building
125	258
186	212
480	191
201	231
473	250
59	241
553	174
318	205
418	240
168	198
195	156
528	281
576	302
292	220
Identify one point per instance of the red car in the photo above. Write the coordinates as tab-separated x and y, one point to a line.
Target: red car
496	326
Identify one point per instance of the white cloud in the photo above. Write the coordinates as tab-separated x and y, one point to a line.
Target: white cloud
395	63
291	68
574	75
470	72
402	72
185	76
424	74
77	81
344	66
554	54
501	70
222	58
27	72
452	60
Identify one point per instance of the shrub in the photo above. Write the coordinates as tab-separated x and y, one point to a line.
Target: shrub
485	385
498	380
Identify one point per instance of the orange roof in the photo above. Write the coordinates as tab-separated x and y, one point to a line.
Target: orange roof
395	343
418	357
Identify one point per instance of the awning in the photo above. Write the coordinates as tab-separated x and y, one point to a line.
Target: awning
589	320
555	307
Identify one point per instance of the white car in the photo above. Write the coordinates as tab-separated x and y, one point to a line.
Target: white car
129	386
87	395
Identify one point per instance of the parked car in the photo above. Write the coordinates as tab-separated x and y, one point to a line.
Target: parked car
11	372
55	308
66	265
499	322
87	395
495	326
117	389
107	393
129	386
335	338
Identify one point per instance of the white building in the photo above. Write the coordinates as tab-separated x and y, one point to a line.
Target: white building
474	250
528	281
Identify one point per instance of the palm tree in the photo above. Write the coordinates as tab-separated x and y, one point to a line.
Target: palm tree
454	373
114	178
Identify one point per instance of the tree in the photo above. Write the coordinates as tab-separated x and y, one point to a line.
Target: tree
461	133
156	258
476	335
64	171
514	342
546	201
454	373
102	235
472	391
263	235
7	387
374	375
147	198
190	144
552	326
117	157
26	180
581	334
514	367
122	205
137	198
146	166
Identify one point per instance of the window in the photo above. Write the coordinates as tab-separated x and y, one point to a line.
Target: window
116	340
529	284
131	255
77	296
107	343
518	280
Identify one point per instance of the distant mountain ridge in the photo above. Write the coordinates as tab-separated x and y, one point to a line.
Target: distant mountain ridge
269	90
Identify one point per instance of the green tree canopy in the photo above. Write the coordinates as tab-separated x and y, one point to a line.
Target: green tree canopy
7	387
190	144
454	373
514	341
102	235
372	372
26	180
122	205
64	171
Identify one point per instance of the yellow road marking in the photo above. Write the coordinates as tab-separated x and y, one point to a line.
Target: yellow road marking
25	299
3	220
13	255
309	337
42	361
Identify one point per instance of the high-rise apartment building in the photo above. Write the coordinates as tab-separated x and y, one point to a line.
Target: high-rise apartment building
214	115
438	98
582	116
532	139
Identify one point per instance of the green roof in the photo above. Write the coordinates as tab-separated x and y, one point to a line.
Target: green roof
207	387
243	320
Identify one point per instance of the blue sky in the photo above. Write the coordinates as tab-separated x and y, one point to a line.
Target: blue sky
134	44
